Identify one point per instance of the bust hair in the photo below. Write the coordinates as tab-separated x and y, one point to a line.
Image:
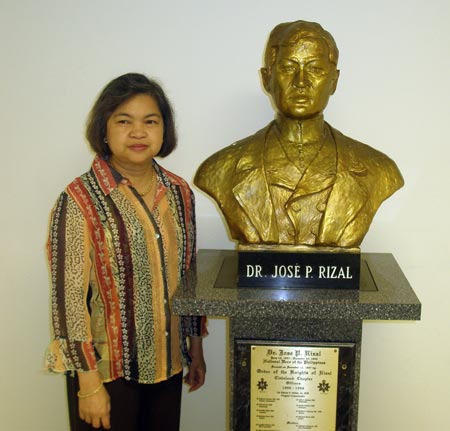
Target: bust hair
118	91
289	33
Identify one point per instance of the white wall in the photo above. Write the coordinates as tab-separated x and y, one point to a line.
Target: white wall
393	94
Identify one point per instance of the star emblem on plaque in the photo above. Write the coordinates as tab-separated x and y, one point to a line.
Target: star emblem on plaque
262	385
323	386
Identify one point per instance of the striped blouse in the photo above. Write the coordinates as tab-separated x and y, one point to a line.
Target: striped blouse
115	265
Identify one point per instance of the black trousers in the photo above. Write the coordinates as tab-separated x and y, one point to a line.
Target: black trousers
134	406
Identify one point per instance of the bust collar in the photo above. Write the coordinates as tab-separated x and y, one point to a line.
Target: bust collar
304	131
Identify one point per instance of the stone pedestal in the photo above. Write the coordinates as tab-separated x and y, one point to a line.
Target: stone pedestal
296	315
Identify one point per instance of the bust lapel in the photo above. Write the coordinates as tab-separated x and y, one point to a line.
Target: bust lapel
348	196
251	189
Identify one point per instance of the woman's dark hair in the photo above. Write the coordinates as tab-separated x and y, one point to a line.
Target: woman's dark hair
119	91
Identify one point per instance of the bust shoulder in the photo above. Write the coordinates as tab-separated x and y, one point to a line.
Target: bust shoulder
356	149
362	160
219	166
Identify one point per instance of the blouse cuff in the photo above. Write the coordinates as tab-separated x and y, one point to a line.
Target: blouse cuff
194	326
63	355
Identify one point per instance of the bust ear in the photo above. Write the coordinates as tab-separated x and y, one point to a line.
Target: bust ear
335	81
265	78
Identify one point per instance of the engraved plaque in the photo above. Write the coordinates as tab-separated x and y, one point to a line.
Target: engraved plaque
293	386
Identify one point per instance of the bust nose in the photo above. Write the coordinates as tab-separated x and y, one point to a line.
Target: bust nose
300	79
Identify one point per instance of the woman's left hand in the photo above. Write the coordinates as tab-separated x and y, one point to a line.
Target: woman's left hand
195	377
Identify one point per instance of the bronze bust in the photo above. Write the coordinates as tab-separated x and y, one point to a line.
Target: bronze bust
299	181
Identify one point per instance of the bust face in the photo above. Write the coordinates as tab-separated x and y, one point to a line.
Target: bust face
302	79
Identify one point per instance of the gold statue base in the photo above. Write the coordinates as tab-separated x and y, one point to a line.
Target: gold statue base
276	248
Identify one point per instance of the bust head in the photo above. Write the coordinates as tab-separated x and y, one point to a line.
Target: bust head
299	182
300	71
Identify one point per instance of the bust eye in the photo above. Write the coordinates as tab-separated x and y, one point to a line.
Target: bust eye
316	70
288	69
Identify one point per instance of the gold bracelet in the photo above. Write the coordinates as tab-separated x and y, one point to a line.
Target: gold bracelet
90	393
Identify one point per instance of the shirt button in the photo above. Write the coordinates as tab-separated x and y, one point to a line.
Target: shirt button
167	334
157	236
165	301
321	207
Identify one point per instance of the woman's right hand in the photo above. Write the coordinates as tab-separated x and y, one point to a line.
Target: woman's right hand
94	409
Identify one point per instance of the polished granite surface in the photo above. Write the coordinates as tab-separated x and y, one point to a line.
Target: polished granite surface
385	293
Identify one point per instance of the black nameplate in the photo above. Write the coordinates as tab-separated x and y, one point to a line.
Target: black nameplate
298	270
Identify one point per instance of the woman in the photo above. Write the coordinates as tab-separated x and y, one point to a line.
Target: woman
121	237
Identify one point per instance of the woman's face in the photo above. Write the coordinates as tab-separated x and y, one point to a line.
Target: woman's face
135	131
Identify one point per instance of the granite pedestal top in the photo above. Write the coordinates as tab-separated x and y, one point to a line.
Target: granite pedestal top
210	289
